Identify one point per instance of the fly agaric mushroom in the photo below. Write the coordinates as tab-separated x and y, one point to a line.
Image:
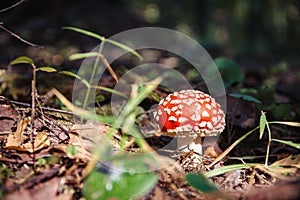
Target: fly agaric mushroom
189	115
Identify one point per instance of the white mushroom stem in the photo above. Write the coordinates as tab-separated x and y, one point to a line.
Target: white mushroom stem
187	144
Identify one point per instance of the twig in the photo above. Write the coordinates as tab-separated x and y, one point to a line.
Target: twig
9	102
12	6
19	38
33	97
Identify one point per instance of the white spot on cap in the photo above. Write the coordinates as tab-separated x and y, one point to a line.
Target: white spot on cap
201	101
174	108
178	112
175	101
198	106
205	113
195	117
182	96
182	119
172	118
180	106
208	106
214	120
210	126
202	124
219	117
188	101
159	112
167	110
157	118
184	128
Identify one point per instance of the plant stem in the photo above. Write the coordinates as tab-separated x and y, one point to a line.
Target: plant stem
269	144
33	97
220	157
88	91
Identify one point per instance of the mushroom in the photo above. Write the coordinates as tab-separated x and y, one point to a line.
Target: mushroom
189	115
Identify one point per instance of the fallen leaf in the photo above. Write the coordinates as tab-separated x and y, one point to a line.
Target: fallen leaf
15	140
8	115
91	134
287	166
40	141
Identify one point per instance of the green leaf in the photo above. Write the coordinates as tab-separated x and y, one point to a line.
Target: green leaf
262	124
106	89
78	56
71	150
201	183
94	35
230	71
290	143
127	177
228	168
46	69
296	124
126	48
155	96
22	59
42	161
245	97
88	33
71	74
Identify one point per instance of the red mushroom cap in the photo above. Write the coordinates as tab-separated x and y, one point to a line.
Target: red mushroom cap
190	111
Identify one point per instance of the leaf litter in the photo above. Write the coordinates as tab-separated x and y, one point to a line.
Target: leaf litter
49	168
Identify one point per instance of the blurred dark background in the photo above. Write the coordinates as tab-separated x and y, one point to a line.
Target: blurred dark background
251	31
261	36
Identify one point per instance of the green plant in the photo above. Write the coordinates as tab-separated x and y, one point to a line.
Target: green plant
126	120
98	57
136	176
201	183
263	123
122	177
35	69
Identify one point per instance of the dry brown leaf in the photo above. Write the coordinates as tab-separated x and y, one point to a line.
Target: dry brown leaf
91	134
15	140
40	141
287	166
8	116
82	153
47	190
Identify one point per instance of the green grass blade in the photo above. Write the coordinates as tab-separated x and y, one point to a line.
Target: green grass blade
78	56
126	48
106	89
262	124
201	183
296	124
228	168
22	59
290	143
94	35
46	69
88	33
222	155
71	74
